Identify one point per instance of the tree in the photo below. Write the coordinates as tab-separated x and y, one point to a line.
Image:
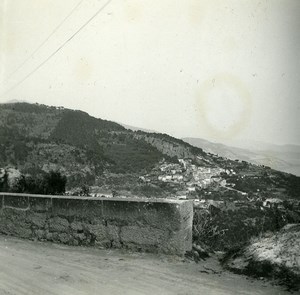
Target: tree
54	183
20	185
4	186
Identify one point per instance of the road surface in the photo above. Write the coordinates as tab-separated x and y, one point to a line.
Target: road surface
29	267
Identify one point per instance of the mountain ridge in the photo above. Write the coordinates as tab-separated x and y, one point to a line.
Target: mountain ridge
284	158
102	153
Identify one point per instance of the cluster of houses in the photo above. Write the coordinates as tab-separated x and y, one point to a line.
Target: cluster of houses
185	173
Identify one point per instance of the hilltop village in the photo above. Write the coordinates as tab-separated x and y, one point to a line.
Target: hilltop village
188	177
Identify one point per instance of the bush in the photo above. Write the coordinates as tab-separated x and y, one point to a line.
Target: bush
4	187
52	183
222	230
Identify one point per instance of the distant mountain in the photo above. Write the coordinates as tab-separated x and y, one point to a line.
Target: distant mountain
89	151
263	146
280	157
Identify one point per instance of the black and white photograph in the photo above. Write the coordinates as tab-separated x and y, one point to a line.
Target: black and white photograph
149	147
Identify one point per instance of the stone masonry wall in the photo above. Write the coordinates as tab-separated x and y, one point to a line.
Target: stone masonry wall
153	225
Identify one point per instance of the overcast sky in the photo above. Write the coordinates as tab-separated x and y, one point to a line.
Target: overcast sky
219	70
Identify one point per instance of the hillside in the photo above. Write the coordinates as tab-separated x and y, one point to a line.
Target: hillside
274	255
284	158
103	154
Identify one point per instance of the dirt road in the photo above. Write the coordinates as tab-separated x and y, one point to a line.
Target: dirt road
43	268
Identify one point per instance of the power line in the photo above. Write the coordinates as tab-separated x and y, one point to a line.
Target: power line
43	43
57	50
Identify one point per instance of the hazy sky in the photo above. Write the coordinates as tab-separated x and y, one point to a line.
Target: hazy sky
220	70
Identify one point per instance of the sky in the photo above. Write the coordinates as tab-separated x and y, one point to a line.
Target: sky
226	71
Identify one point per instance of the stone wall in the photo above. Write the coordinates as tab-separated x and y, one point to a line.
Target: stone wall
154	225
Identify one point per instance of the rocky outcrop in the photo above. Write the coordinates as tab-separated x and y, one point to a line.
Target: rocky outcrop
169	148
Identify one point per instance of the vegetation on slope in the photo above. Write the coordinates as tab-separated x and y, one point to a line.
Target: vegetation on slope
52	183
274	256
36	138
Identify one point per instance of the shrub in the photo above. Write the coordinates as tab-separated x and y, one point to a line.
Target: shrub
224	229
4	187
52	183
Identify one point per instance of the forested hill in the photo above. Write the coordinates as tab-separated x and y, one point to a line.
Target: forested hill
36	138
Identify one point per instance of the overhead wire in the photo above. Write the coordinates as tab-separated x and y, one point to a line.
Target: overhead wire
45	40
57	50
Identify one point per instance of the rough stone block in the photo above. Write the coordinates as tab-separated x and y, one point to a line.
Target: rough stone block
86	208
49	236
37	219
25	233
180	240
79	237
77	226
113	232
40	234
142	235
97	230
15	216
39	204
58	224
14	222
19	202
158	214
54	237
64	238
